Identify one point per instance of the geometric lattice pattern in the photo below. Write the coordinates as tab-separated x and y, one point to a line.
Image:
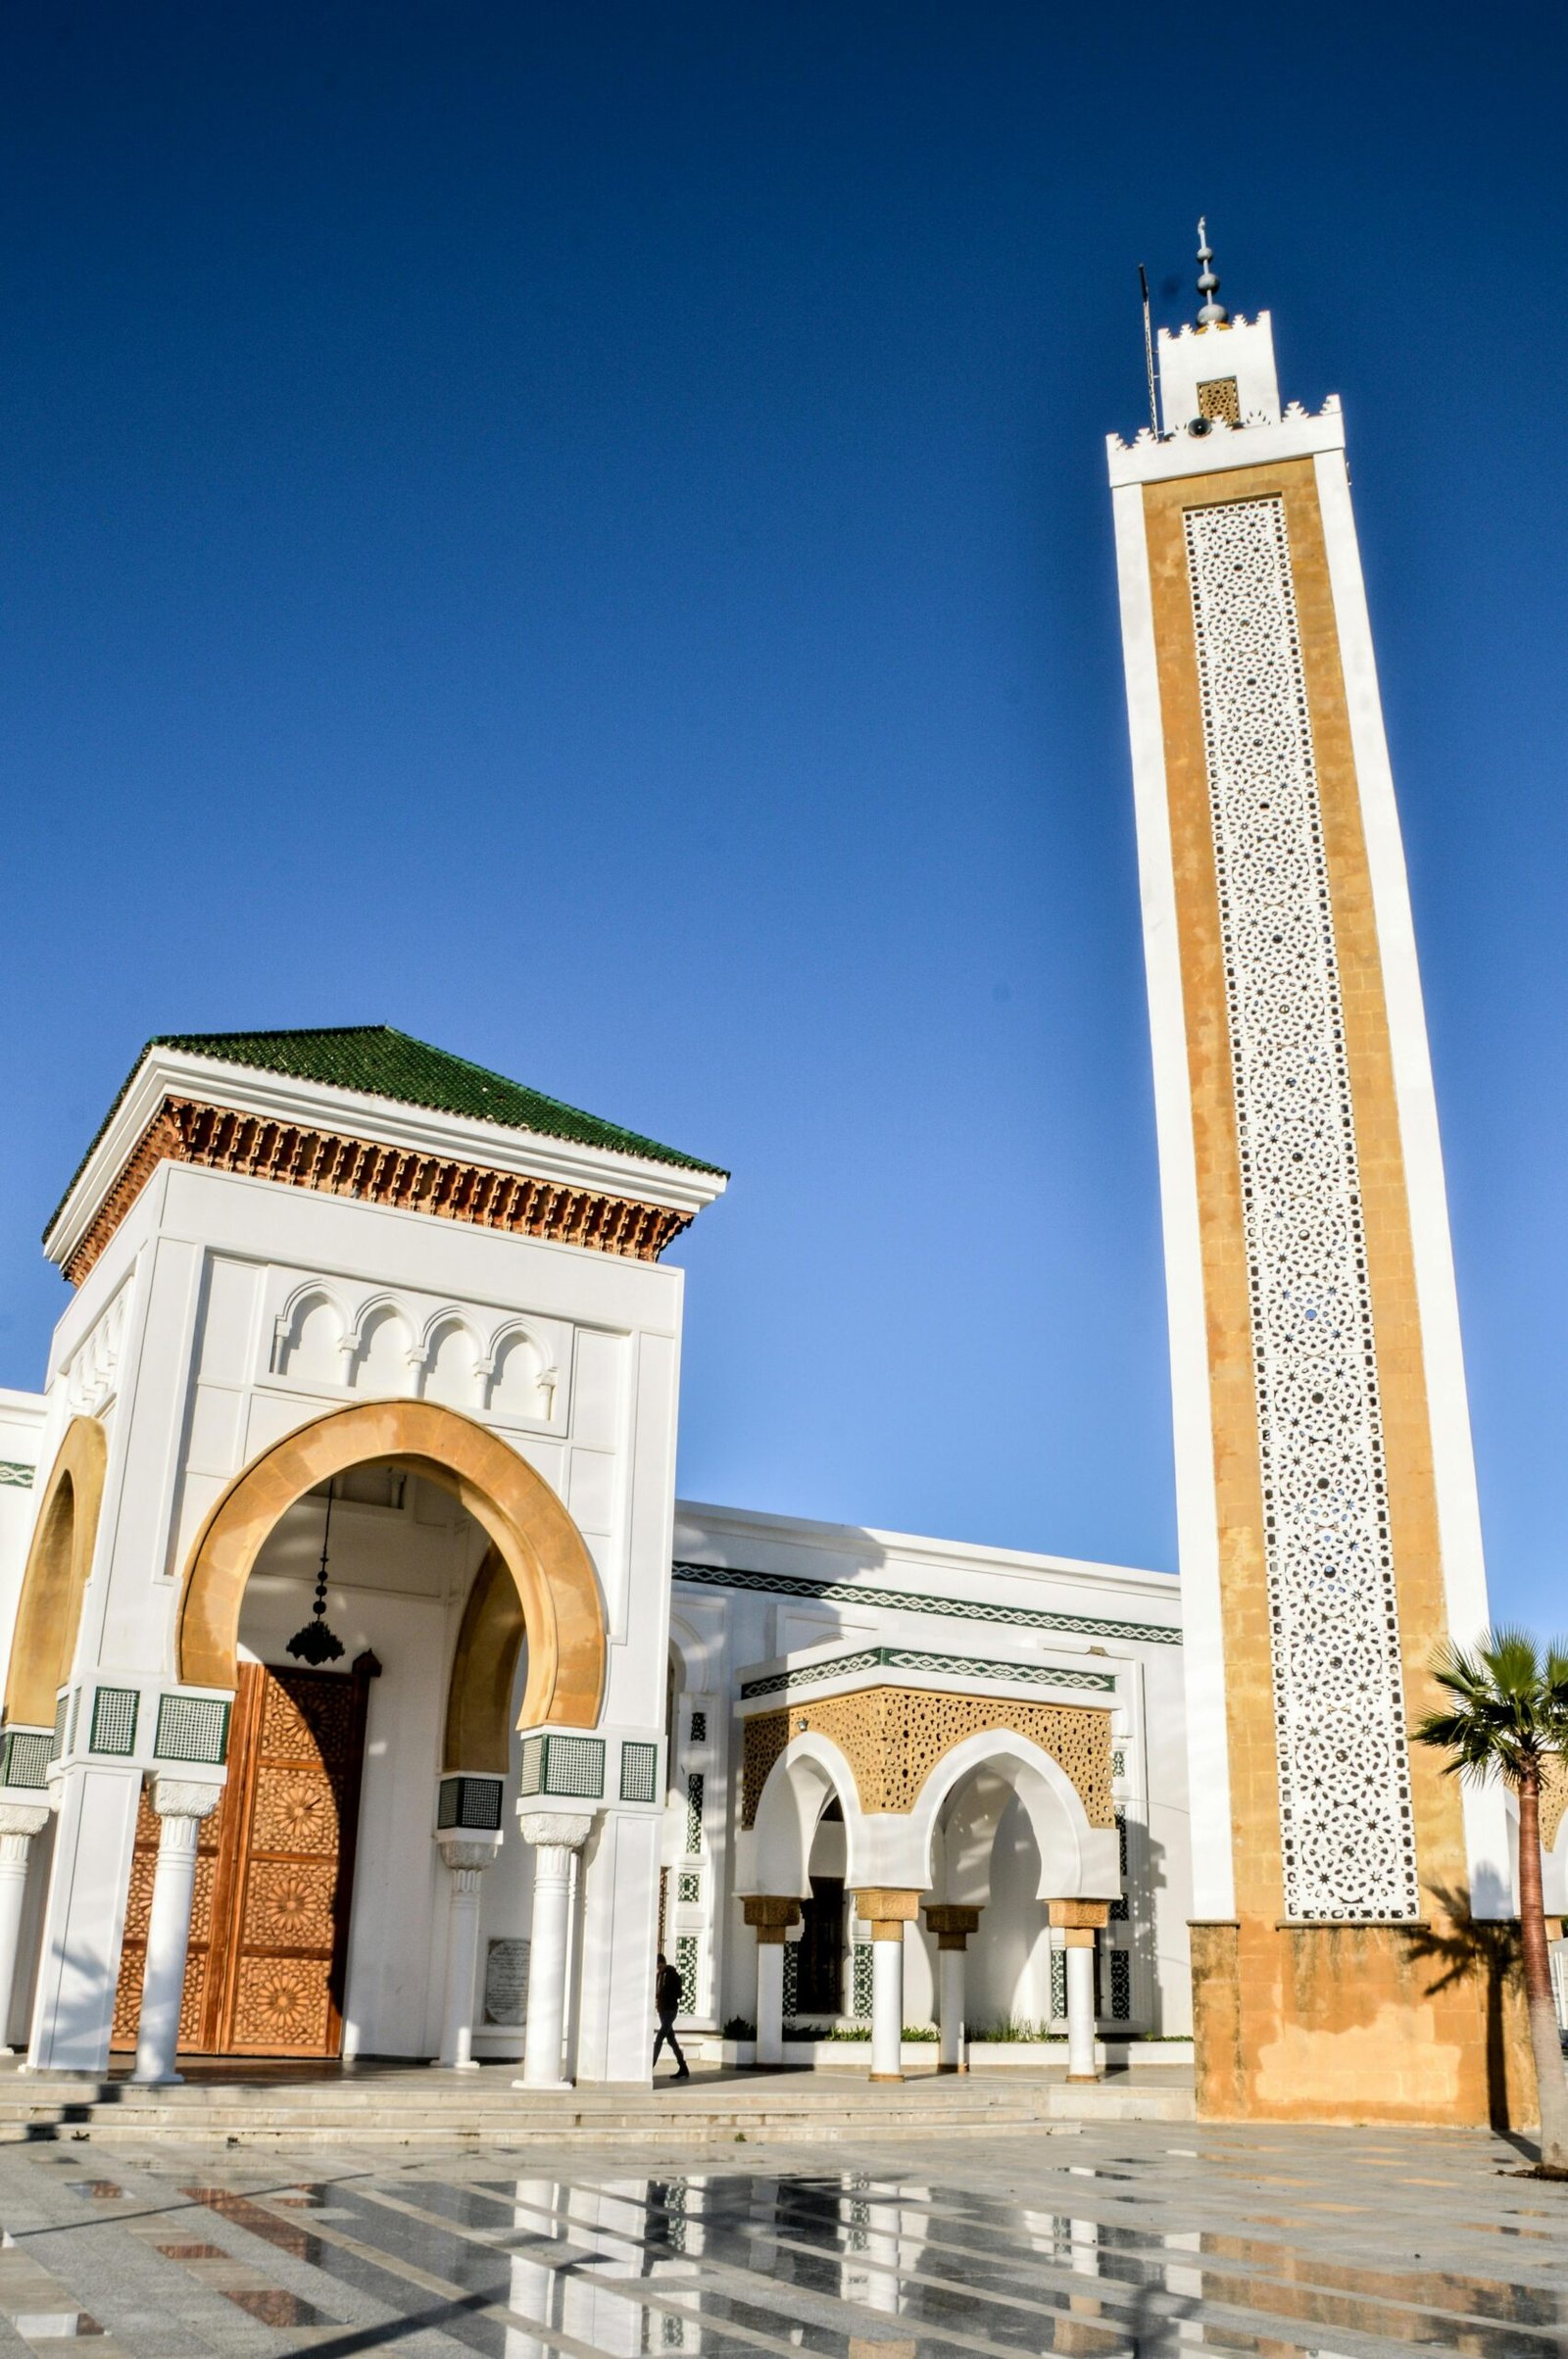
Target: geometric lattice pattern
1121	1985
693	1812
689	1889
113	1721
1120	1910
1347	1832
573	1766
639	1770
699	1727
860	1966
893	1738
192	1728
685	1964
472	1802
792	1977
1220	398
1059	1986
24	1758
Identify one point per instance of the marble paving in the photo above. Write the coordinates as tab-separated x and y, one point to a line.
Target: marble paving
1135	2239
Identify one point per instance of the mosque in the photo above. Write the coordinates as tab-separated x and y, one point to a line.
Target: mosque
370	1692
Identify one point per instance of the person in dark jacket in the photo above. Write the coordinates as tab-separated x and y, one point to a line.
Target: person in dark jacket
667	2001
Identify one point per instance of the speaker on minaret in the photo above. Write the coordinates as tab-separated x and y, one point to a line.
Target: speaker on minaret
1342	1962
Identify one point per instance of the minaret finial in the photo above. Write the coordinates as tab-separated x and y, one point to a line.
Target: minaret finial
1213	314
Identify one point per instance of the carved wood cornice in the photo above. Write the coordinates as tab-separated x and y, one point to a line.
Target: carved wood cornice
217	1138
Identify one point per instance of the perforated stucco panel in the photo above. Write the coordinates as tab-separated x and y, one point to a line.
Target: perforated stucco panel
1347	1832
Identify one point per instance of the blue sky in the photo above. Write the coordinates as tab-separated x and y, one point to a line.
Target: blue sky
581	531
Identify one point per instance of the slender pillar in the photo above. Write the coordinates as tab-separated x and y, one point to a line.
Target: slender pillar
181	1805
888	1913
19	1822
770	1914
1078	1922
1080	1955
557	1837
953	1927
466	1859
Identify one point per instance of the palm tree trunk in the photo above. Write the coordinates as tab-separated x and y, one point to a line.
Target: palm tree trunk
1545	2040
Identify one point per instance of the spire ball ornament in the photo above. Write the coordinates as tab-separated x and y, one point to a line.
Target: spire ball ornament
1210	313
318	1642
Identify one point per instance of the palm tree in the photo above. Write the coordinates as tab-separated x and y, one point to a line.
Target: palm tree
1507	1716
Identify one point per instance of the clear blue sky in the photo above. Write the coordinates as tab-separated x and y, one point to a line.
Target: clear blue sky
581	531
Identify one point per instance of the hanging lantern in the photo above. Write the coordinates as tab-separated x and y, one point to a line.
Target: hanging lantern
318	1642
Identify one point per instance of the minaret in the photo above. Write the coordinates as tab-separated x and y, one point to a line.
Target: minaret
1328	1530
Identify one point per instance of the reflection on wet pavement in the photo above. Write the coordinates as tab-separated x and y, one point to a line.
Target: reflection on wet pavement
1282	2243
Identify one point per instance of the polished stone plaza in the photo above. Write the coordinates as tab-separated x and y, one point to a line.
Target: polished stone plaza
1100	2240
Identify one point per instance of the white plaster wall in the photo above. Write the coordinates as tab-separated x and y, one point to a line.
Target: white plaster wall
728	1629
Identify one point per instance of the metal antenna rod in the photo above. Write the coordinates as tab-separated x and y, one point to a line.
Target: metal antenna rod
1149	354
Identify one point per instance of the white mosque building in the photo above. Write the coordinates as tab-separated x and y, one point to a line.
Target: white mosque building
370	1692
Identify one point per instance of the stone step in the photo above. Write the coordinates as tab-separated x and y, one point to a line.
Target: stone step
413	2105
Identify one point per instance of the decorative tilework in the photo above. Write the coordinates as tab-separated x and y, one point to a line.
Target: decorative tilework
694	1811
569	1766
1121	1986
1058	1985
792	1977
699	1727
113	1721
192	1728
919	1658
685	1962
469	1803
1120	1907
639	1770
689	1889
860	1980
958	1609
14	1476
24	1758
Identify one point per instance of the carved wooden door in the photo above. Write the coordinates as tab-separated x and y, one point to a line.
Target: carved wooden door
275	1875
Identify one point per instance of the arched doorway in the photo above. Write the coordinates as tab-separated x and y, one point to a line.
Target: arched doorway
319	1903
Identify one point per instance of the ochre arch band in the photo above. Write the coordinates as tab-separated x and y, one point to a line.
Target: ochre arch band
55	1576
552	1573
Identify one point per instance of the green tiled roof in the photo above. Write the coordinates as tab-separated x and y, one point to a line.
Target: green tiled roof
384	1062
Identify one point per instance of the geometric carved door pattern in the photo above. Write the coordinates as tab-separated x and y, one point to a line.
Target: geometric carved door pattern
275	1874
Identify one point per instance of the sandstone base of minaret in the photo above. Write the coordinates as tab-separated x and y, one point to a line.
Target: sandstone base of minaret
1363	2023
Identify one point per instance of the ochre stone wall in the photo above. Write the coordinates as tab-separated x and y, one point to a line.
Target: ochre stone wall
1325	2023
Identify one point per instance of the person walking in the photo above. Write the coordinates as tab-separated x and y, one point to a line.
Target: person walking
667	2001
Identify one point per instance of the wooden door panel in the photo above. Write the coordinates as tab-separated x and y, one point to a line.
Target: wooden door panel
274	1877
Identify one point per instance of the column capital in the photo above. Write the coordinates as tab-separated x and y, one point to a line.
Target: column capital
771	1915
1078	1916
24	1818
185	1798
888	1910
952	1924
463	1853
562	1829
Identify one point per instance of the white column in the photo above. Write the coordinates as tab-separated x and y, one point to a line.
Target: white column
949	1966
181	1805
466	1861
557	1837
887	2001
770	1994
19	1822
1080	1957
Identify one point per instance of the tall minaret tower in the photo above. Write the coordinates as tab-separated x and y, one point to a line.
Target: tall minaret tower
1328	1530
